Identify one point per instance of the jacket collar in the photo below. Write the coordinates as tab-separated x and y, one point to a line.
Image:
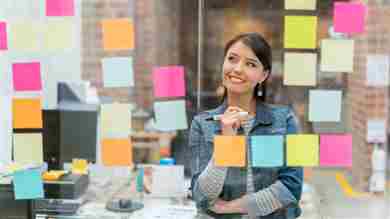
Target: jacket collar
263	113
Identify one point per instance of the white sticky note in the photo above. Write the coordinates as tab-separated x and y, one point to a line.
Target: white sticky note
376	131
300	69
377	70
300	4
170	115
337	55
325	105
5	129
115	120
24	36
59	35
28	148
168	181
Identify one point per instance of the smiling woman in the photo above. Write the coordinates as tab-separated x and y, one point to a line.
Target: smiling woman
243	192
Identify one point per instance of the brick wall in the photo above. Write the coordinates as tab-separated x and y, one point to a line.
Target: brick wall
367	102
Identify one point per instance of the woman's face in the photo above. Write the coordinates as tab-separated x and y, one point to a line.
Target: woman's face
242	70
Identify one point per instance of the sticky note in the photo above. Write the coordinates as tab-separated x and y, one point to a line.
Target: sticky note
173	184
3	36
117	152
118	72
58	35
376	131
118	34
27	76
300	32
337	55
28	148
336	150
170	115
377	69
5	129
300	4
300	69
79	166
302	150
59	7
230	151
325	105
27	113
24	36
267	151
28	184
349	17
168	81
115	120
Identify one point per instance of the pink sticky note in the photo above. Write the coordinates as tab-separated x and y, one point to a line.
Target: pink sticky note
27	76
168	81
349	17
3	36
336	150
59	7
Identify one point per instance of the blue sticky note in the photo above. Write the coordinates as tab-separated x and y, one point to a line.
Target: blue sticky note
28	184
325	105
267	151
118	72
170	115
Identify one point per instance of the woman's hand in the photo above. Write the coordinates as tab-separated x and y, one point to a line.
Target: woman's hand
231	120
228	207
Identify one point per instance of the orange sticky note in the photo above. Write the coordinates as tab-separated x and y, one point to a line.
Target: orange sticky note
118	34
230	151
117	152
27	113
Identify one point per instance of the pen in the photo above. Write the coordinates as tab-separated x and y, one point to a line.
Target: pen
218	117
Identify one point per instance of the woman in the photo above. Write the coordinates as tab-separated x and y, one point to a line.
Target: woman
248	192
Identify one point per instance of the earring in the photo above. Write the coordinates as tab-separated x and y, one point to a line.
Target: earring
259	91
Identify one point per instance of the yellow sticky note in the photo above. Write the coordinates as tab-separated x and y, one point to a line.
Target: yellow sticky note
24	36
115	120
230	151
302	150
28	148
58	35
117	152
300	4
79	166
300	32
337	55
118	34
27	113
300	69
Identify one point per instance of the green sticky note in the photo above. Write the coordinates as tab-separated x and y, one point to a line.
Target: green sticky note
300	32
302	150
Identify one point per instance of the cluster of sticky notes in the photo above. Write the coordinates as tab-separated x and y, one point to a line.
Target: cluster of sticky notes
300	4
117	152
118	34
115	120
291	150
170	115
27	76
118	72
300	69
28	184
325	105
168	81
27	113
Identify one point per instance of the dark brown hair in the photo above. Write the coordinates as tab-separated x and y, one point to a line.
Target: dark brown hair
262	50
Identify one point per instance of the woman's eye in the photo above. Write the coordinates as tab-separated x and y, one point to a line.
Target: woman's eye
250	64
231	58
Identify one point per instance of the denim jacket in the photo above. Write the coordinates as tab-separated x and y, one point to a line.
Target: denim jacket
269	120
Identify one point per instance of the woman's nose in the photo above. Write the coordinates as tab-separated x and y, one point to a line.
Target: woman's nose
238	67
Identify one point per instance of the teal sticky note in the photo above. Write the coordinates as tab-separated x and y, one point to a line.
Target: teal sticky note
170	115
325	105
28	184
118	72
267	151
